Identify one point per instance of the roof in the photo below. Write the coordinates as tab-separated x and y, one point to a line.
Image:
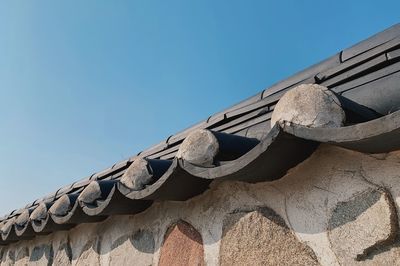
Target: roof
364	76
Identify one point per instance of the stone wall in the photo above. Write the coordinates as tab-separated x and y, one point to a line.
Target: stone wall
338	207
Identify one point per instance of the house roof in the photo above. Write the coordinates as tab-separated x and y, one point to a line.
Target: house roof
365	77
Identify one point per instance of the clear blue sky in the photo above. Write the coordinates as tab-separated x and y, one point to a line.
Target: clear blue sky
85	84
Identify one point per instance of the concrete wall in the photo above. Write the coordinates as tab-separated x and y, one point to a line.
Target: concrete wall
338	207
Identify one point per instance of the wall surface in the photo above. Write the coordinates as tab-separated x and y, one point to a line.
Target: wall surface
338	207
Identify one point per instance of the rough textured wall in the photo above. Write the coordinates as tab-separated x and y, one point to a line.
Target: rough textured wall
338	207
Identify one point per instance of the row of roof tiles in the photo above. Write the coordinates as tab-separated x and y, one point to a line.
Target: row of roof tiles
353	73
283	147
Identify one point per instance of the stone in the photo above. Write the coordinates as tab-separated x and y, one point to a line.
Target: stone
22	257
42	255
182	246
40	213
362	225
199	147
22	219
137	176
2	223
91	193
90	253
3	251
61	206
7	226
261	238
143	241
63	255
140	246
309	105
8	257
